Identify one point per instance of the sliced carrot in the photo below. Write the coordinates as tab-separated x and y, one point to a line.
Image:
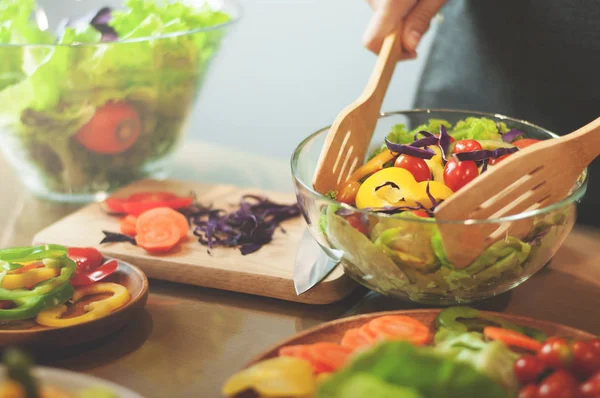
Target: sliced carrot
512	338
353	339
332	355
303	351
150	218
128	224
367	334
400	327
160	236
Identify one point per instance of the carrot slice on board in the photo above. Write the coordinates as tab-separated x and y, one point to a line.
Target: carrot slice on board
127	225
304	352
159	236
399	327
158	215
353	339
332	355
512	338
367	334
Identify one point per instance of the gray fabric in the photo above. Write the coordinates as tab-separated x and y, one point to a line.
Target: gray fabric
537	60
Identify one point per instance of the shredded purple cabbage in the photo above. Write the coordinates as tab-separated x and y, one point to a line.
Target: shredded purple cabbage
485	164
409	150
99	19
250	227
484	154
434	202
511	135
444	143
427	141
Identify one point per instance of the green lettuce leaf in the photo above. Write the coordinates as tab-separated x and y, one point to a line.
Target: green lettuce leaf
363	385
473	128
432	126
431	373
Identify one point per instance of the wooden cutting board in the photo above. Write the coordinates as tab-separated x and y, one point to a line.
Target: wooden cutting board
267	272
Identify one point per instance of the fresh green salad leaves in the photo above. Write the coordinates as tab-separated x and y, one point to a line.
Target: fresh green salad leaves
432	373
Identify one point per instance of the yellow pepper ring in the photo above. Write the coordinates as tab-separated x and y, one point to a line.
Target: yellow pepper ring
94	310
29	278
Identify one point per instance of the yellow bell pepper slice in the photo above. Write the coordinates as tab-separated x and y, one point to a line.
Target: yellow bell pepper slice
94	310
377	191
438	190
29	278
435	164
277	377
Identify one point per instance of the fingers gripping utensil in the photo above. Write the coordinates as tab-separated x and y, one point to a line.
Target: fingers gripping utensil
349	136
529	179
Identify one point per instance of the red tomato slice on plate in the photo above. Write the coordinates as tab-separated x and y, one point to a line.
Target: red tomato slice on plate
86	258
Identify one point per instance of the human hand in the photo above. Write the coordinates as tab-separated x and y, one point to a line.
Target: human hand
389	14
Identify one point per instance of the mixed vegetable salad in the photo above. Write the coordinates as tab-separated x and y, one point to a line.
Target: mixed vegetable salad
401	184
51	286
103	100
467	354
21	383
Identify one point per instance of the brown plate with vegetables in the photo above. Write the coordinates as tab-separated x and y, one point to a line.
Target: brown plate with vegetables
458	351
54	296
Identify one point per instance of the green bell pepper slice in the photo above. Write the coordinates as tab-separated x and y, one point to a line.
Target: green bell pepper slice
29	307
457	320
67	270
27	254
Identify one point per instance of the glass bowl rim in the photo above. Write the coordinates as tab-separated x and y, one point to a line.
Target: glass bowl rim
575	195
235	17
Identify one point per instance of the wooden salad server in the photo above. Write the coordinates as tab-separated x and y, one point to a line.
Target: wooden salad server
349	136
532	178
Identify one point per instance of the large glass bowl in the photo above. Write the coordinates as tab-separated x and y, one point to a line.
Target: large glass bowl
403	256
78	121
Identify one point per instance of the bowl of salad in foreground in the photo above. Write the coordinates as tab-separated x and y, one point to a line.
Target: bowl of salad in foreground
97	93
381	220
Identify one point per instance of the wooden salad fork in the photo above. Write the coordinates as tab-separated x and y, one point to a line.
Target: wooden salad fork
349	136
534	177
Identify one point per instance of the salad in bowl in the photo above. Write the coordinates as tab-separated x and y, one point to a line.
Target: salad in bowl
382	218
91	102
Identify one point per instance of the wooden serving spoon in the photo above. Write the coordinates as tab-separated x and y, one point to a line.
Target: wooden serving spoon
349	136
532	178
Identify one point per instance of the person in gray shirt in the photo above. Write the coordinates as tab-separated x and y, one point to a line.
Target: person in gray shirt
537	60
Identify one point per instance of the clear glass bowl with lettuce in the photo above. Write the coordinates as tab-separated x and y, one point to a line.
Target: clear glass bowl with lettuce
382	220
95	94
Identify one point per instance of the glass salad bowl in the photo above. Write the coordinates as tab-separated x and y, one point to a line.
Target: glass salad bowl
402	255
95	94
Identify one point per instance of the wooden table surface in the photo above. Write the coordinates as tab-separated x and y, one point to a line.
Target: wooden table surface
190	339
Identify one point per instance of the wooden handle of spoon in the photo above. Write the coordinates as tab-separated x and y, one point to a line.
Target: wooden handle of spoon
391	51
586	140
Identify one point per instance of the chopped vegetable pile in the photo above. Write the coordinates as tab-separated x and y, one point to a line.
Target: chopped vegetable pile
396	248
158	221
107	104
467	354
45	284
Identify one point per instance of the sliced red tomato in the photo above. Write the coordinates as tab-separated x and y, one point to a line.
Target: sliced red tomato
304	352
140	202
113	129
106	269
399	327
353	339
87	258
420	213
331	355
128	225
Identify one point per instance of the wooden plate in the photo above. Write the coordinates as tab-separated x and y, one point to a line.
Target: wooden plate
334	330
28	333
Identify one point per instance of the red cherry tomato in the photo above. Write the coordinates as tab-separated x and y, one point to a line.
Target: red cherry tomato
87	278
420	213
113	129
467	146
525	142
494	161
586	357
458	174
556	353
591	388
347	193
357	223
86	258
140	202
529	391
528	368
417	167
560	384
